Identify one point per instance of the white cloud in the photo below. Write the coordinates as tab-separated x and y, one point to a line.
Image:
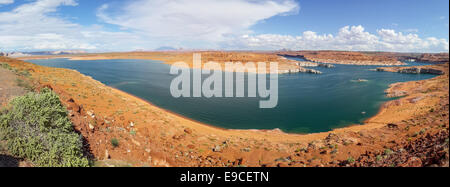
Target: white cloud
31	26
144	24
37	25
204	20
353	38
6	2
148	24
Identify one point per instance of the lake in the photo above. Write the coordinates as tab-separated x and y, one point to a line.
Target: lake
307	103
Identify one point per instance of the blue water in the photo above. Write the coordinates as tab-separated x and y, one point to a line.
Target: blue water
307	102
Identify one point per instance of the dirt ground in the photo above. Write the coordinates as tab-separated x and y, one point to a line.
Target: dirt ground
8	90
8	86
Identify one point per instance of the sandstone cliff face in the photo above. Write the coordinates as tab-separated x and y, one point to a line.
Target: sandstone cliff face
434	70
422	71
344	57
240	57
438	57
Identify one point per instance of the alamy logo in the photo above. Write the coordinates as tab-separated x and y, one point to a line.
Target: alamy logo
258	76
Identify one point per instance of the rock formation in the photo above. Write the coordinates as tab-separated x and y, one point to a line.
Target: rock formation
344	57
435	57
413	70
305	64
326	65
300	70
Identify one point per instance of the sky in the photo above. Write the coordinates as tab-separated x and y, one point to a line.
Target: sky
128	25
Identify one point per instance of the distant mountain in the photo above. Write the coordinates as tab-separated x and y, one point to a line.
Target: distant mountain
14	54
22	54
67	52
166	48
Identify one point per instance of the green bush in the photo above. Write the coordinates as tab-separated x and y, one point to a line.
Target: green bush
115	142
36	127
350	160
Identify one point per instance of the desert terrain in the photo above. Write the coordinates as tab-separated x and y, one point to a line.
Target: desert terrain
171	58
284	65
151	136
343	57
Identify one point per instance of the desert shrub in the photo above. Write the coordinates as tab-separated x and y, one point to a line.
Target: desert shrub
24	84
36	127
25	73
9	67
388	151
350	160
4	65
115	142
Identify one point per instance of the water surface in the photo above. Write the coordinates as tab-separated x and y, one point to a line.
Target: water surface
307	102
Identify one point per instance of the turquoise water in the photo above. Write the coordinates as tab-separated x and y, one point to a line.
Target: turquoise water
307	103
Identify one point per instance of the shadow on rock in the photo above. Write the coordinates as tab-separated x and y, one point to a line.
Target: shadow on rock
8	161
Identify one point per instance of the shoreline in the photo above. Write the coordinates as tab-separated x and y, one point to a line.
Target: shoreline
382	108
286	67
163	135
198	122
163	109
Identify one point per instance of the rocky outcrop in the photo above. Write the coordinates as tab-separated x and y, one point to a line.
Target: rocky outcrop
344	57
430	150
299	67
300	70
305	64
422	71
312	71
413	70
434	57
326	65
243	57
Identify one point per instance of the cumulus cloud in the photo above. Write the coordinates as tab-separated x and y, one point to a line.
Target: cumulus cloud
204	20
201	24
144	24
31	26
353	38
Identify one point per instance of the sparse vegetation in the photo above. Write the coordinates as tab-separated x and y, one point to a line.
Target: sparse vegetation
388	151
351	160
24	73
6	66
24	84
379	158
115	142
36	127
25	77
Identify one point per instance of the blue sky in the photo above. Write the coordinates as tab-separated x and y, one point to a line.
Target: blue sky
125	25
429	17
